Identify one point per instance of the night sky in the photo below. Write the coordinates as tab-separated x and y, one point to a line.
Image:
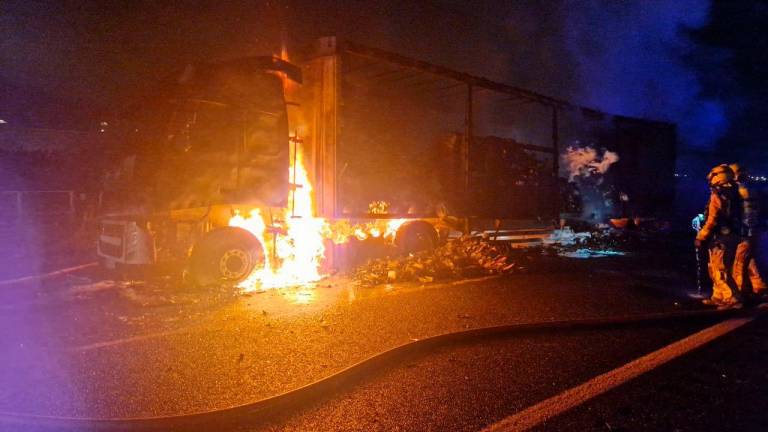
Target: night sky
697	63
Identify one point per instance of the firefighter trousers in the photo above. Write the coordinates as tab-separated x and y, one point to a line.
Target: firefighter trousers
745	268
721	258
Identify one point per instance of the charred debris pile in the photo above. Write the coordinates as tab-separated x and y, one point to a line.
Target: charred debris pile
460	258
468	257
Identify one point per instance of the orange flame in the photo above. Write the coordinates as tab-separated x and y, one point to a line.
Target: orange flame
293	257
295	250
342	231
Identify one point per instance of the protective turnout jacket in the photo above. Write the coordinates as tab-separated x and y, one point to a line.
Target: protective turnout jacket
723	214
749	211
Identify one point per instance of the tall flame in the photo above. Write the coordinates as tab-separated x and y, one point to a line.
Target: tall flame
292	257
293	238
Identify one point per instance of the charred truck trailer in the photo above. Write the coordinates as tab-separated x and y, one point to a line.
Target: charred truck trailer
391	146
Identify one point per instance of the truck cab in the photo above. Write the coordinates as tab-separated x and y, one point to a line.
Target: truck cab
218	142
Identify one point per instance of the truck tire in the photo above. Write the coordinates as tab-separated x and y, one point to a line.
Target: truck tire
416	236
224	255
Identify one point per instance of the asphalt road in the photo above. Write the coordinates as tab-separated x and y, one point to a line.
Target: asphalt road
467	388
721	387
89	347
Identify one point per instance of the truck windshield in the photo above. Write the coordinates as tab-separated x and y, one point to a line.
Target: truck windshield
226	140
228	113
206	128
200	128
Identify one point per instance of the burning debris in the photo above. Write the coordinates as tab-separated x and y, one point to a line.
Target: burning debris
378	207
341	231
460	258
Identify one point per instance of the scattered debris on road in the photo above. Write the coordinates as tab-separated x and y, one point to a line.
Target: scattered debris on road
601	241
472	257
460	258
153	292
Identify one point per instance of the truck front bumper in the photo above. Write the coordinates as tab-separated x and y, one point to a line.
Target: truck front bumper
125	242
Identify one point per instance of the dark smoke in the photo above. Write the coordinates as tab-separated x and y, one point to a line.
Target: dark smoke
630	56
625	57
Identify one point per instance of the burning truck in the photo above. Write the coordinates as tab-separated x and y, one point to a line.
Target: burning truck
266	172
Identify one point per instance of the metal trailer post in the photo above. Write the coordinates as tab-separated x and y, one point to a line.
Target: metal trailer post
315	117
556	162
468	139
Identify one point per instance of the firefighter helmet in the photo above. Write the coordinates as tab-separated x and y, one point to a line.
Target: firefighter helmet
720	175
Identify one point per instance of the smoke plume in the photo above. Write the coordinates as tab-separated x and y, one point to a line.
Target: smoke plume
630	58
586	161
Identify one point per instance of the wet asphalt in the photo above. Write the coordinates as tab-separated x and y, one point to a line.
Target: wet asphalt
721	387
80	347
467	388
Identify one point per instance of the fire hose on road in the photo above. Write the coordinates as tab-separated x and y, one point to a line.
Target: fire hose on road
39	277
260	412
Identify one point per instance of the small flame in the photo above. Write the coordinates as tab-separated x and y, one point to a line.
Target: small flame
342	231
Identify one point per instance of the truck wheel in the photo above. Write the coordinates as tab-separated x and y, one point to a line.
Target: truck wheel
225	255
416	236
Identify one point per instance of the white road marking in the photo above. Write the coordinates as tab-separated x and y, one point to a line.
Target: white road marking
473	280
47	275
573	397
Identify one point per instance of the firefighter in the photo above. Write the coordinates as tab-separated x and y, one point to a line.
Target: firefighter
721	229
744	261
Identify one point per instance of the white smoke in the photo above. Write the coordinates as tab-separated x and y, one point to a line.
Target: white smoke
587	161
